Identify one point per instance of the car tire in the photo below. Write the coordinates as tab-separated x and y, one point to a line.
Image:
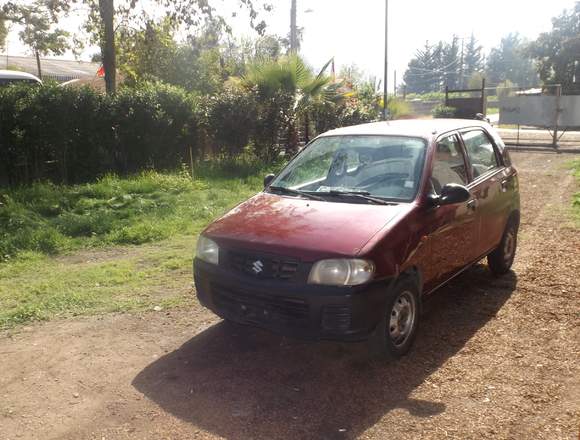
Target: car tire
395	333
501	259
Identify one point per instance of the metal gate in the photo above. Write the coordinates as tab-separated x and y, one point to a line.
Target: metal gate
467	107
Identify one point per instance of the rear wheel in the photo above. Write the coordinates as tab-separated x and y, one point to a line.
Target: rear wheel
396	332
500	260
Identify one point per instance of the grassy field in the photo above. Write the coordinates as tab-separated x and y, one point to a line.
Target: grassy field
113	245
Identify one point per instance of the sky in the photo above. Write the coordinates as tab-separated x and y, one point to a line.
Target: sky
352	31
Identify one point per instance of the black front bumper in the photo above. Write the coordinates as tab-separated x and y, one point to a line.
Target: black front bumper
292	309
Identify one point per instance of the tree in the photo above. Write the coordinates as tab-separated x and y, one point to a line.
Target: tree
290	76
473	58
450	60
421	75
250	50
148	54
558	52
188	13
434	67
510	62
107	41
37	20
3	34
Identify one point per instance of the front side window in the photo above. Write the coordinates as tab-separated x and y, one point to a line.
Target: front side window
480	151
448	164
388	167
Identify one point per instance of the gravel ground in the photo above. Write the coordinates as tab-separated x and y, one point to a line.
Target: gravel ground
495	359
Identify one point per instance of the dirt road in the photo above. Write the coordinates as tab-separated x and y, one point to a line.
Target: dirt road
495	358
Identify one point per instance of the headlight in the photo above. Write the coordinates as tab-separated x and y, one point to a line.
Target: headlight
341	272
207	250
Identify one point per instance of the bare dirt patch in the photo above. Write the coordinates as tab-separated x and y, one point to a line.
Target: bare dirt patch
495	358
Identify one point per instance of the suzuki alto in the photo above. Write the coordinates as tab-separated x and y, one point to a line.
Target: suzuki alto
359	227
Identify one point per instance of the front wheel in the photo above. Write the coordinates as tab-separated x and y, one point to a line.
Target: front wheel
500	260
396	332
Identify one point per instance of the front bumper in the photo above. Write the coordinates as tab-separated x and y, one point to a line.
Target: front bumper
292	309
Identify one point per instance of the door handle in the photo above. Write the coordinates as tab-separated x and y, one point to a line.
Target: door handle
472	204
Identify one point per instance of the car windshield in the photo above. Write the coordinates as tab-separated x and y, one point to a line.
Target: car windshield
386	167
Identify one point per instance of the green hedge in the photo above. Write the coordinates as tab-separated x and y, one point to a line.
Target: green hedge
69	135
72	135
442	111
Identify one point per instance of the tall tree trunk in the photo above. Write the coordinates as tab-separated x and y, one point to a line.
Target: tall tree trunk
38	64
107	11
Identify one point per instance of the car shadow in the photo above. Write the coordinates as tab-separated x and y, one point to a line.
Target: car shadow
245	383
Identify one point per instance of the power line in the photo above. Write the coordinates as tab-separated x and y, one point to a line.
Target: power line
440	69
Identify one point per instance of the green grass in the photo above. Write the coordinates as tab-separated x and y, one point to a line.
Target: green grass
35	287
52	219
576	199
125	244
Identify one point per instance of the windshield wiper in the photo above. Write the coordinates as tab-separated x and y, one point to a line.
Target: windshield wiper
364	195
295	192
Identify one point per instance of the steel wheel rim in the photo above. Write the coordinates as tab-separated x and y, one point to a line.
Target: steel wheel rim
509	246
402	318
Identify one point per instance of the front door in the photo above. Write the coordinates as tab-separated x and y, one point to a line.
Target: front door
454	227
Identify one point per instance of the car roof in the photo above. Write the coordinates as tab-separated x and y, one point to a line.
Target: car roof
424	128
15	74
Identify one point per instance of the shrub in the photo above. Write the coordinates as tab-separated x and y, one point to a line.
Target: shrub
398	108
73	135
442	111
154	127
326	116
231	120
274	115
68	135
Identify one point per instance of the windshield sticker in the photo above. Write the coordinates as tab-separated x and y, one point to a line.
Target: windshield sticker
409	184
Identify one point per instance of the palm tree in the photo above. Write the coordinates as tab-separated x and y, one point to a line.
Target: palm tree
290	75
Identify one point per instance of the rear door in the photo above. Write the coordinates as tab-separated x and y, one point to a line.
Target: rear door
455	227
489	181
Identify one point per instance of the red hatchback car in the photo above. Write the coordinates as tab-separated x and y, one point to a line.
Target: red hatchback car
359	227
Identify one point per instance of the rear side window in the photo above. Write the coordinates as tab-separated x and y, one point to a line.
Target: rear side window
480	151
448	164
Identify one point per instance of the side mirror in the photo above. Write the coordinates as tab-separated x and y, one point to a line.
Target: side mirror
268	179
451	194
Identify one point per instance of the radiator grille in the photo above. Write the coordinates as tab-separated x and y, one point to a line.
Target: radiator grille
261	308
263	266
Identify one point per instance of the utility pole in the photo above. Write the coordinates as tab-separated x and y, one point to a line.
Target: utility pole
462	64
293	28
395	85
386	85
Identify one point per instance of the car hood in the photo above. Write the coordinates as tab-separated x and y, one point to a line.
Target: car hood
307	229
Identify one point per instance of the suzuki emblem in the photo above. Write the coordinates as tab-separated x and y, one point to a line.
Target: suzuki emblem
257	267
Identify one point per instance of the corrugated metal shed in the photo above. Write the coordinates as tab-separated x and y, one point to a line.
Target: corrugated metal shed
59	70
